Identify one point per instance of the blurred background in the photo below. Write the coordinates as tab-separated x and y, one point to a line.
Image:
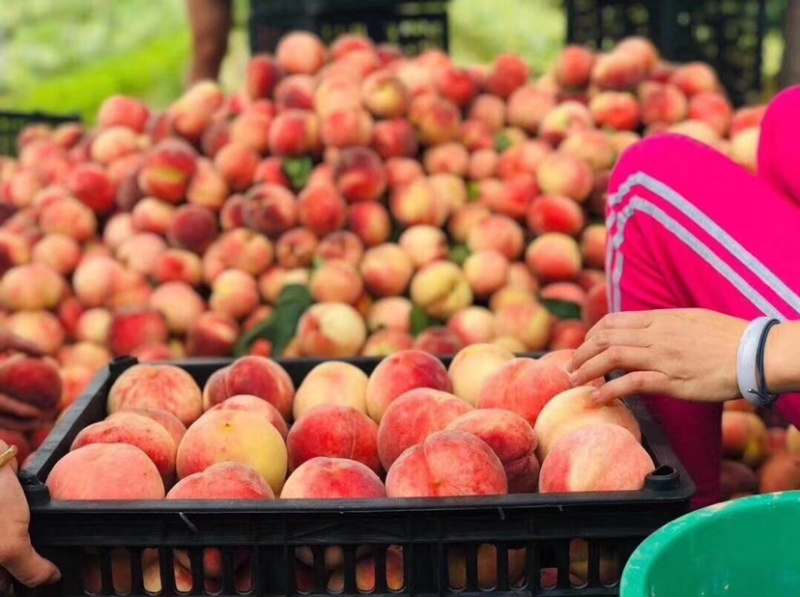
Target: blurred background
66	56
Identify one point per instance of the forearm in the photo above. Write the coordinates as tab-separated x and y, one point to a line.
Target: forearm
782	359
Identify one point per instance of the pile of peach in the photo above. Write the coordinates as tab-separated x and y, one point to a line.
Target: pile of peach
761	452
412	428
385	184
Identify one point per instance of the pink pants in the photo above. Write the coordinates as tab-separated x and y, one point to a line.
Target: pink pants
690	228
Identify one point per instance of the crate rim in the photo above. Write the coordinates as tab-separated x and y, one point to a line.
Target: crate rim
675	486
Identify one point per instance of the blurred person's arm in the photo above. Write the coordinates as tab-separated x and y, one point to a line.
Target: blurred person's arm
210	22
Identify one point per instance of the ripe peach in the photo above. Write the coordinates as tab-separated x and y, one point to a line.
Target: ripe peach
617	110
438	340
321	209
103	472
118	228
483	164
331	383
712	108
447	463
781	472
595	457
119	110
477	134
745	118
554	213
93	326
31	287
270	209
593	245
371	223
137	430
744	437
246	250
237	164
212	335
394	139
554	257
385	95
391	312
465	219
167	170
618	71
387	341
250	403
360	175
386	270
486	272
527	321
566	175
366	575
662	103
244	437
261	76
694	78
180	305
42	329
340	245
295	248
448	158
423	244
251	127
254	376
568	117
68	216
177	265
440	289
333	478
744	148
294	133
347	128
449	194
487	566
336	282
331	330
90	184
140	252
300	52
272	282
499	233
593	147
113	143
152	215
528	106
573	67
596	304
473	325
509	72
438	120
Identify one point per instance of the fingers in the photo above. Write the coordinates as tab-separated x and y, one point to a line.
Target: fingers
625	320
603	339
626	358
631	384
31	569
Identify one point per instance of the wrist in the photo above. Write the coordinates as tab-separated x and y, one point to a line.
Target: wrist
781	367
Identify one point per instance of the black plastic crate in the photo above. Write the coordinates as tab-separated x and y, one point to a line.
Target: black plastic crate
428	530
12	123
413	25
728	34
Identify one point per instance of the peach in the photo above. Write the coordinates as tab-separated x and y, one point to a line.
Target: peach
555	213
566	175
574	408
152	215
694	78
336	282
261	76
68	216
465	219
593	245
744	437
272	282
177	265
554	257
360	175
332	383
616	110
391	312
118	228
473	325
162	387
295	248
212	335
509	72
737	478
527	321
448	158
568	334
321	209
423	244
412	417
713	109
270	209
487	566
300	52
698	130
486	272
596	304
255	376
340	245
449	192
179	304
438	121
237	164
30	388
744	148
137	430
366	576
333	478
272	170
746	118
447	463
193	228
483	164
511	438
194	111
41	329
244	437
250	403
23	187
167	420
399	373
438	340
90	184
251	128
528	106
103	472
16	250
523	386
334	93
566	118
440	289
113	143
331	330
511	295
84	354
387	341
334	431
520	277
294	133
93	325
793	439
135	328
477	134
245	250
618	71
394	139
662	103
473	366
593	147
119	110
573	67
386	270
499	233
371	223
596	456
385	95
346	128
31	287
781	472
139	254
167	170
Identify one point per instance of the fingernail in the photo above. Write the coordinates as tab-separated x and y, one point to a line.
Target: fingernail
573	378
594	396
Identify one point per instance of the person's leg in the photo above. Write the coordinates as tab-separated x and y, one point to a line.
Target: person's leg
777	148
210	21
689	228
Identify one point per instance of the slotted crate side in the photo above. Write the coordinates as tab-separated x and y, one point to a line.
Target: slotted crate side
414	25
437	541
728	34
12	123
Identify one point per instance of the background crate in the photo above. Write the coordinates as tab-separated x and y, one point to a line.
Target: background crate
428	530
11	123
728	34
414	25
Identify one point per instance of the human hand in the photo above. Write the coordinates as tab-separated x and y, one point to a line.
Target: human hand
683	353
17	555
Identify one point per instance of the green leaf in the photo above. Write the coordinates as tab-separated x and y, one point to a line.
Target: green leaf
563	309
280	328
473	191
420	321
298	170
502	142
459	254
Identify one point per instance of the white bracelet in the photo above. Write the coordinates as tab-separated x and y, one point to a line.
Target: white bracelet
746	366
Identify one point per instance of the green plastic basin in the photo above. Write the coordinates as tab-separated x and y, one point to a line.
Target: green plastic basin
745	548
